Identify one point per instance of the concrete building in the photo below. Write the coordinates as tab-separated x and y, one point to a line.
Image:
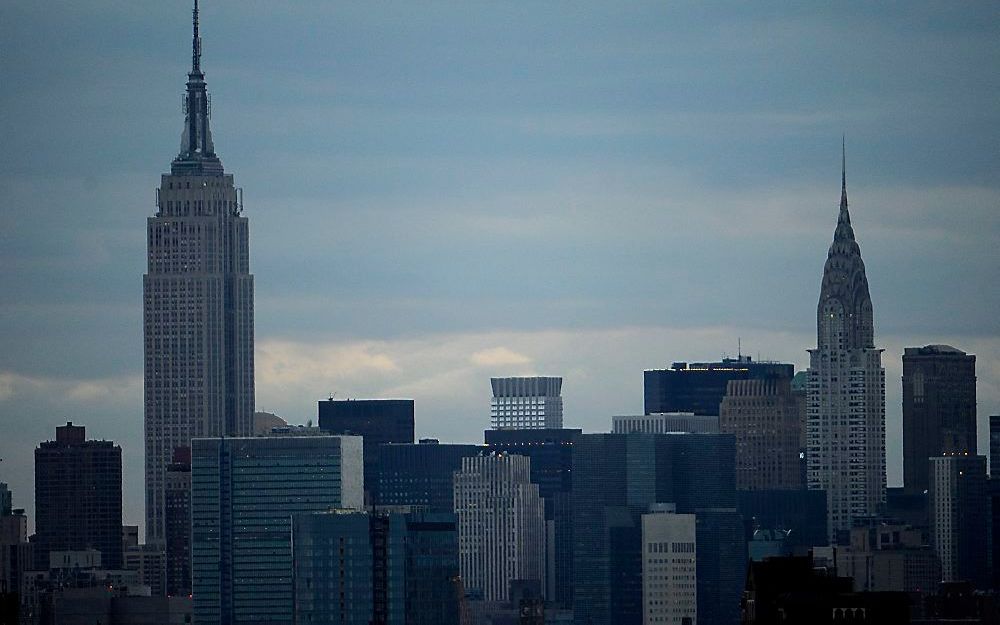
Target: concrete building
763	415
669	572
197	303
846	388
960	518
939	409
78	496
243	494
886	557
666	422
501	525
699	387
551	454
526	403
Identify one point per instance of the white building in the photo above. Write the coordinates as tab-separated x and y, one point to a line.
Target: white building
664	422
197	303
526	403
501	524
669	574
845	413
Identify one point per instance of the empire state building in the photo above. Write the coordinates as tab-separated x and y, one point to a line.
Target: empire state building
197	302
845	427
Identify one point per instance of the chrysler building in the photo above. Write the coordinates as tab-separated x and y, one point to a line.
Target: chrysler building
197	302
846	390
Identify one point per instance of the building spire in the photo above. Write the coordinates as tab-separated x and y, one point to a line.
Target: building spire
195	43
197	155
843	169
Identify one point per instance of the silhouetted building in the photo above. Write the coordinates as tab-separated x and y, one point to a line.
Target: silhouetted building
378	421
243	493
619	477
197	302
995	445
16	556
526	403
421	475
960	518
763	415
700	386
551	454
356	567
800	512
846	388
665	423
790	591
501	525
177	523
78	496
939	408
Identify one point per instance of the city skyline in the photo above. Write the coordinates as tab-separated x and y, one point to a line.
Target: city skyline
380	221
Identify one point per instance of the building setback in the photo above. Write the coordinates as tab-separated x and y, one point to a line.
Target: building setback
197	303
78	497
243	493
763	415
939	409
845	427
526	403
501	525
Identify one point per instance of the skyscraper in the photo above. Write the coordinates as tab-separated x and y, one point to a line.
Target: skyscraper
244	492
846	388
960	518
78	497
501	524
526	403
699	387
197	302
939	409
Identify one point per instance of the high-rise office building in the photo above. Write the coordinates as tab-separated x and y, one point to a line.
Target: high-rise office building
78	497
960	518
243	494
764	417
666	422
421	475
699	387
526	403
670	549
177	523
846	387
939	409
378	421
357	567
551	454
197	303
501	525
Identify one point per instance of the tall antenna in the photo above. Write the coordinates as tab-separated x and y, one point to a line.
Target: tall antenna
195	42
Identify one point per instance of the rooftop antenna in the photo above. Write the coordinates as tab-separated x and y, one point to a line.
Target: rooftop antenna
739	348
333	394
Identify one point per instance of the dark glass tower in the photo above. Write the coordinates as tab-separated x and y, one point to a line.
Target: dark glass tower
699	387
939	409
78	497
197	303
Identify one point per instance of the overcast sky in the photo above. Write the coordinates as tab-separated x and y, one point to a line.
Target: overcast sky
441	192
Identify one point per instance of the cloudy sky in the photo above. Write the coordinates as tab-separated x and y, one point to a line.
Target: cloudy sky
440	192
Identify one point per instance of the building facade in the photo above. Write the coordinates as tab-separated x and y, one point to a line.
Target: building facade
421	475
526	403
846	388
960	518
78	497
664	423
243	494
939	409
378	421
177	523
669	573
763	415
197	303
699	387
501	525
